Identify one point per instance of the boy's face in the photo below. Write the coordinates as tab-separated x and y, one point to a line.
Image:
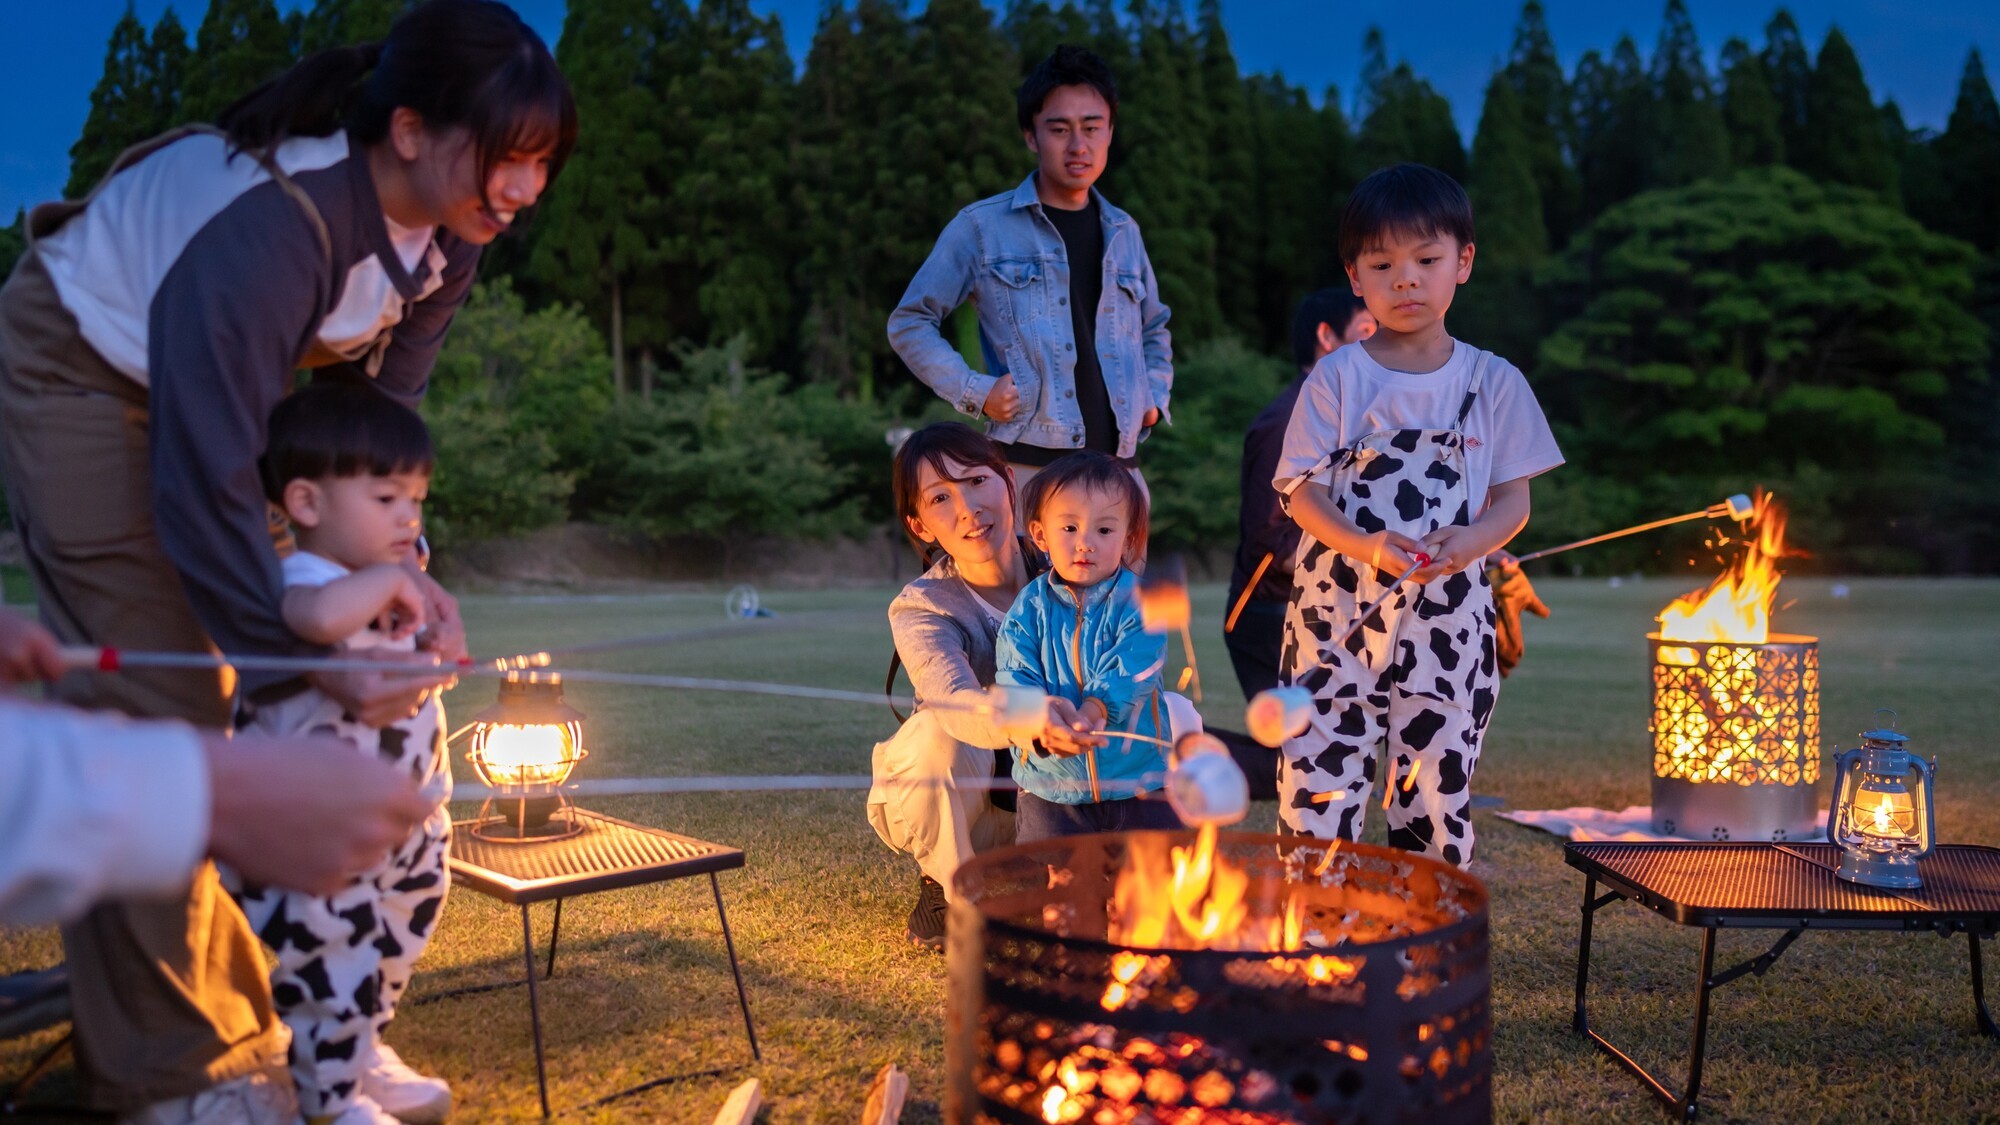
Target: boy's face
1409	281
359	521
1071	138
1084	532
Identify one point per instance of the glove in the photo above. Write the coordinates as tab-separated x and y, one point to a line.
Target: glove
1512	593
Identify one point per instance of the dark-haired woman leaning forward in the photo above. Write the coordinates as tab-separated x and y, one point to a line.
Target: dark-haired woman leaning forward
333	221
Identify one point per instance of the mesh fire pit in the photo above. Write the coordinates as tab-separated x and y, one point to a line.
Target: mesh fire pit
1135	977
1736	738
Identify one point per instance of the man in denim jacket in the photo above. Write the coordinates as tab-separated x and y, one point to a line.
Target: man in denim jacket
1070	321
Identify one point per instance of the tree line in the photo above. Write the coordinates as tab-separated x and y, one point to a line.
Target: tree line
1754	272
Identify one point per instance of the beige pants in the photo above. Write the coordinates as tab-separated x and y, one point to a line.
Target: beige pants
170	997
921	802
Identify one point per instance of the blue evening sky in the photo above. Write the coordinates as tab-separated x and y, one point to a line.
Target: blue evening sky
51	54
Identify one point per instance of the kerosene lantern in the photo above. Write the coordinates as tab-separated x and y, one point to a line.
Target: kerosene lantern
1883	821
523	748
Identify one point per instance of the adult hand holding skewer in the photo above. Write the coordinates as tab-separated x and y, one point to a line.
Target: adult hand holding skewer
28	652
1071	730
377	699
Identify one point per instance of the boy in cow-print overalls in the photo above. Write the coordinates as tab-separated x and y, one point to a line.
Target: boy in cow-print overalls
1403	443
350	469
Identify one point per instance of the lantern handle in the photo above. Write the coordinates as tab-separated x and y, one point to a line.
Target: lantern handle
1893	717
1928	771
1843	762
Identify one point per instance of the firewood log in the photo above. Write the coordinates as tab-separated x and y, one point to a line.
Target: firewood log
885	1097
742	1105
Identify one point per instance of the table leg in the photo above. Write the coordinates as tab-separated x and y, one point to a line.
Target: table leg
534	1009
742	998
1699	1048
1580	1020
555	934
1979	1010
1683	1106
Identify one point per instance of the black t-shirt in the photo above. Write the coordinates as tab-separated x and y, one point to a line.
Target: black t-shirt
1083	239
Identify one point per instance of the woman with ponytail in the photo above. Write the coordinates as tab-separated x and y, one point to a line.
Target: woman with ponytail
332	219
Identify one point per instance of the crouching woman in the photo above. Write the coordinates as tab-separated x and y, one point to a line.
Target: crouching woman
931	795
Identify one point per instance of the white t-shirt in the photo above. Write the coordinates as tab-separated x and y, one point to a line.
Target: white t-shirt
1349	396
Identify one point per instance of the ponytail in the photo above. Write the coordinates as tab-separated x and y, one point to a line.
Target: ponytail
469	63
309	100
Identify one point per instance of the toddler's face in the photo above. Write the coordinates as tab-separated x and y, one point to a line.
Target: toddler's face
363	520
1084	532
1409	281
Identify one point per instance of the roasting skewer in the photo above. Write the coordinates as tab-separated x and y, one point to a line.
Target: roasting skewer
1368	611
1738	507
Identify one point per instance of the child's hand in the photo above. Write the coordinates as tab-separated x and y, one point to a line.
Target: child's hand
1068	731
1392	551
1451	549
404	613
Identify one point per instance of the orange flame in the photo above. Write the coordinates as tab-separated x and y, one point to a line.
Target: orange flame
1737	605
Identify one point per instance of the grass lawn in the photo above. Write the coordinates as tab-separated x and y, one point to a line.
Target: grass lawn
1845	1027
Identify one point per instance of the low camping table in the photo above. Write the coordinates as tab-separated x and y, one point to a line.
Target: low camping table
1789	887
608	855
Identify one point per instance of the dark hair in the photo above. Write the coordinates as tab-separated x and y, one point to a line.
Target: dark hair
1410	200
1096	472
342	428
456	62
934	445
1066	66
1332	305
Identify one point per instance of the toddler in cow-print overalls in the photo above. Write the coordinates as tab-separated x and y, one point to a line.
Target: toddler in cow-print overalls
1409	442
350	468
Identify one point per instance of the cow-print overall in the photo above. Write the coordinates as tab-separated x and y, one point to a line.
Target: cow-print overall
343	960
1420	674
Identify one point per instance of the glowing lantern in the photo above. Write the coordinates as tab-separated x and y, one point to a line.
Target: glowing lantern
523	748
1883	822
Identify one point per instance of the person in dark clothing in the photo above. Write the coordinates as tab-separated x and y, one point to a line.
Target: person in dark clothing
1261	581
334	220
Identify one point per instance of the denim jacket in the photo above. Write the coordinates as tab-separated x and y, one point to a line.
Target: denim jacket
1006	255
1122	667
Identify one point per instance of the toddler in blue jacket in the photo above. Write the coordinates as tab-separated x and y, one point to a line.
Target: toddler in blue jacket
1075	633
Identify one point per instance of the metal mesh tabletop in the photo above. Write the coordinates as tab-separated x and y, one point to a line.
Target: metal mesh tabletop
1785	885
607	855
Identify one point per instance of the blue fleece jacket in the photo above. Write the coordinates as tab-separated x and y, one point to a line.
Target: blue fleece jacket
1121	667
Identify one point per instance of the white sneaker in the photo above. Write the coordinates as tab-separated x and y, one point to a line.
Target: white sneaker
361	1111
263	1098
412	1098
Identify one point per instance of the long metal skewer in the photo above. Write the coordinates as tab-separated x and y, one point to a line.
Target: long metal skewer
1737	507
116	660
1368	611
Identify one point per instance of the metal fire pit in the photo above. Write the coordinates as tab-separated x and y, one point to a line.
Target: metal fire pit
1736	738
1398	1031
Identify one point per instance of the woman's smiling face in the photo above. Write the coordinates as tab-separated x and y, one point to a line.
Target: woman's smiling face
968	510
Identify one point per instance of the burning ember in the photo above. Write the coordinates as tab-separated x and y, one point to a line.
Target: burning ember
1212	976
1734	704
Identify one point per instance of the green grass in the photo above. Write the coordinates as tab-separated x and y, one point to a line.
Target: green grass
15	586
1846	1027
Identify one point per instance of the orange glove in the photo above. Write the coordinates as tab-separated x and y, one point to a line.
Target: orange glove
1512	593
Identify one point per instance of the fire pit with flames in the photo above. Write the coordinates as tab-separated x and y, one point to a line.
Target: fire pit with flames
1736	707
1216	976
